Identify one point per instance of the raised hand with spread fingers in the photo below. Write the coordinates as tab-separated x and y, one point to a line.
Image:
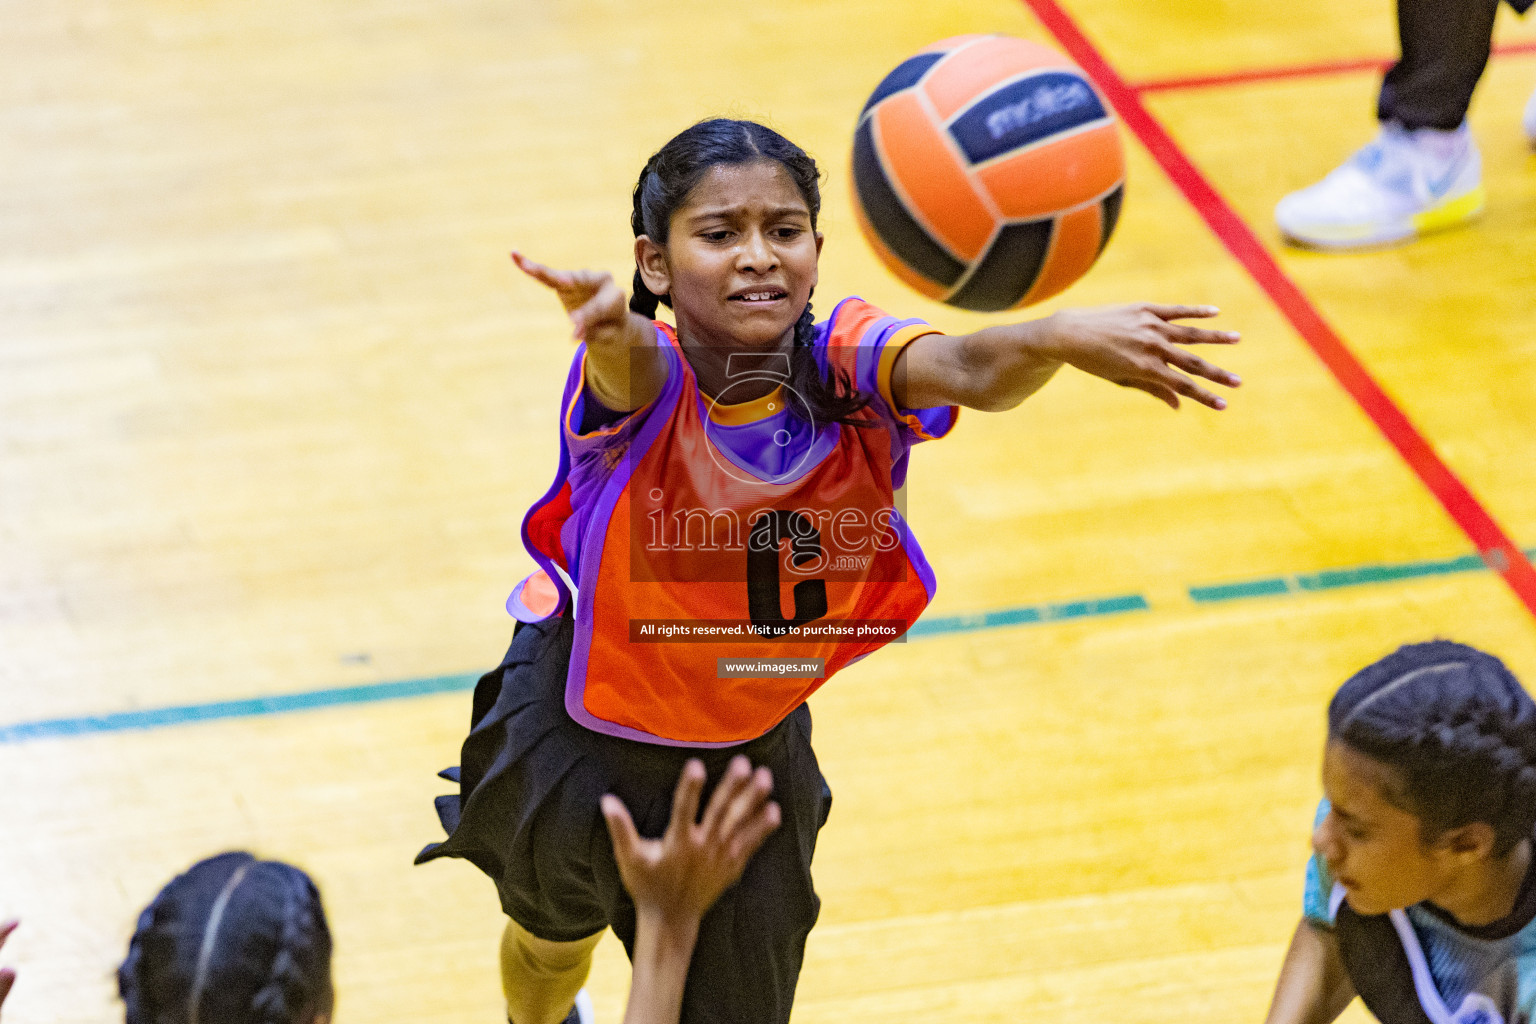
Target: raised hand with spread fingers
675	879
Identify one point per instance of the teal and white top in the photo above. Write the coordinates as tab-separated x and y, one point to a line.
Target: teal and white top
1457	974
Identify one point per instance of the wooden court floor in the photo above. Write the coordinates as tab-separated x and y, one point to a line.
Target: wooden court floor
273	401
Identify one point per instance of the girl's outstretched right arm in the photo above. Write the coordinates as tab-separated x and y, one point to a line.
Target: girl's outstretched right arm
1313	987
625	369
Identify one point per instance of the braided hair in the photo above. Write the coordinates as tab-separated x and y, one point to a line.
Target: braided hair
1457	730
665	182
233	940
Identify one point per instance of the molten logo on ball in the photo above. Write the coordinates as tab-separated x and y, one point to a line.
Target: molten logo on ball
1046	101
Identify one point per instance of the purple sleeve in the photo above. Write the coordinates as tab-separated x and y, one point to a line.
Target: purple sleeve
871	364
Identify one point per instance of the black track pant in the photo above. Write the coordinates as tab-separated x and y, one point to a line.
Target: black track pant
1445	48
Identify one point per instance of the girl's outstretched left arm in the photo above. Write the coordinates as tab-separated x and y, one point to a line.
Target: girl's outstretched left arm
1136	346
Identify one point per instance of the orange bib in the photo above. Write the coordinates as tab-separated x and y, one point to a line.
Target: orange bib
698	538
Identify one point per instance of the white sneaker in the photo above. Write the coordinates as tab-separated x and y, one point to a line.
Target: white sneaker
581	1010
1399	185
1530	119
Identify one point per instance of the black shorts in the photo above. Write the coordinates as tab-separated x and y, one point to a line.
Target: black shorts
527	815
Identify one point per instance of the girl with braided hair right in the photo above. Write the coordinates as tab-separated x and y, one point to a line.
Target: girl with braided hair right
1420	895
721	537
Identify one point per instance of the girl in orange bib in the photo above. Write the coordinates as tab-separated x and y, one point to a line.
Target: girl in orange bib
721	537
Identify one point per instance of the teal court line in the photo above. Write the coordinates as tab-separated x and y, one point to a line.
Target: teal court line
186	714
1027	616
935	626
1334	579
369	693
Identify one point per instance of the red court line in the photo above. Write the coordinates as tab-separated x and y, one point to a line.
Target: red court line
1501	555
1332	67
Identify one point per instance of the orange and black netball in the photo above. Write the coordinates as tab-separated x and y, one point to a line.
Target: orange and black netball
988	172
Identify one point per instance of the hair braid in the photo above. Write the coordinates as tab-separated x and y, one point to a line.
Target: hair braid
289	989
805	328
130	985
828	400
641	299
1502	729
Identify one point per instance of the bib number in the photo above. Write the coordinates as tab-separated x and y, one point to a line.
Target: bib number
769	531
